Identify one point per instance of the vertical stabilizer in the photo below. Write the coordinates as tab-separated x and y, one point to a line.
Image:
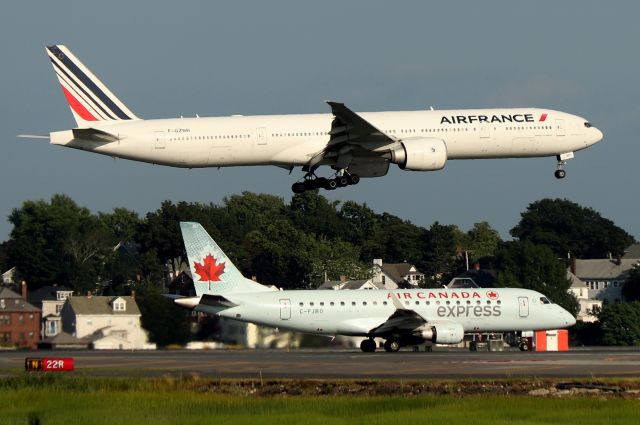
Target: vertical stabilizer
211	269
89	99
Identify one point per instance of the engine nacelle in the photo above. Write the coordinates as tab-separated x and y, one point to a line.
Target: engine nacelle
450	333
424	154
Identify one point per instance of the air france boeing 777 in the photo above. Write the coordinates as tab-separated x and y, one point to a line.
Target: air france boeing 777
400	317
354	145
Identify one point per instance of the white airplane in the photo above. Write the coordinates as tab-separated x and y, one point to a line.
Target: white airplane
401	317
353	144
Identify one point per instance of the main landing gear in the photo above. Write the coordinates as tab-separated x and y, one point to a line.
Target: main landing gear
369	345
312	182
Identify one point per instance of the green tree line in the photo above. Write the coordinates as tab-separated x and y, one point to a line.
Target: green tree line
294	244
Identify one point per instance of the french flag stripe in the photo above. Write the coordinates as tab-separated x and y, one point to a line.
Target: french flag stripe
62	74
78	107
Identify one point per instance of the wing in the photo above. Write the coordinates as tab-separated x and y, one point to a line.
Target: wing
402	320
353	139
350	128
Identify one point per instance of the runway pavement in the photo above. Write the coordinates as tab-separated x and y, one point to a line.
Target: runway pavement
337	364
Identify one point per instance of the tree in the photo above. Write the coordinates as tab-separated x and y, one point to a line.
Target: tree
282	255
58	242
439	249
333	259
567	227
482	240
165	322
523	264
621	324
631	288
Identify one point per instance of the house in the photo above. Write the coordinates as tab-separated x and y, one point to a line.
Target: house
8	277
50	299
344	283
632	252
588	306
19	320
474	278
604	278
395	275
107	322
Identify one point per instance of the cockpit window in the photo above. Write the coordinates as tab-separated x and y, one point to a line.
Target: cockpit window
587	124
545	300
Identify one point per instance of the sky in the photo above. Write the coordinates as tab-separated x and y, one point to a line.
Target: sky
167	58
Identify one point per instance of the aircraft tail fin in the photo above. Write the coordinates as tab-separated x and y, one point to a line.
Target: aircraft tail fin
89	99
212	271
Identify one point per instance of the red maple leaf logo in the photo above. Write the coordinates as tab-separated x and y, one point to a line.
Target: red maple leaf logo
209	270
492	295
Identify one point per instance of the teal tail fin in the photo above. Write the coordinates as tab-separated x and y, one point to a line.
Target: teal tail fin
211	269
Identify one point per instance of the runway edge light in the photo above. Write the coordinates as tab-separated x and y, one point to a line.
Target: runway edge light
48	364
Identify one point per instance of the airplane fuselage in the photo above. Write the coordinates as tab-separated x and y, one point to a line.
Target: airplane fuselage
292	140
356	312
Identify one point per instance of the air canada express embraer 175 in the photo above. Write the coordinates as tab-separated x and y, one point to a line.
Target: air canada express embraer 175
400	317
354	145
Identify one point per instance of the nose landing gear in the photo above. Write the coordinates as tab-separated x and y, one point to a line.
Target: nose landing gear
562	161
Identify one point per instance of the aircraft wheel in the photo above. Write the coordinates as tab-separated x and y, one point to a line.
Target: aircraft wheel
368	346
524	346
298	187
354	179
560	174
331	184
391	346
342	181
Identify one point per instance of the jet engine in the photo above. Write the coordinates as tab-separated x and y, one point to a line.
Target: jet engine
420	154
448	333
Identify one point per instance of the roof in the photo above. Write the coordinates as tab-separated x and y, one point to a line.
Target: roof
357	284
102	305
14	302
632	252
604	269
576	282
484	278
46	293
397	271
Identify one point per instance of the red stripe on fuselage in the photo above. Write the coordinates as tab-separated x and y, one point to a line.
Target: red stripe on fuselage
543	117
78	107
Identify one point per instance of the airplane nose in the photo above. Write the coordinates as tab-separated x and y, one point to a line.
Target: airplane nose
597	135
568	318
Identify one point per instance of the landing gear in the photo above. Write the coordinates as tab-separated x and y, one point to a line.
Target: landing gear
391	345
524	344
560	174
562	161
368	345
311	182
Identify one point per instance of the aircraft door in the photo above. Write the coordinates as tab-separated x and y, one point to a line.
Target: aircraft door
261	134
161	139
560	128
285	309
523	306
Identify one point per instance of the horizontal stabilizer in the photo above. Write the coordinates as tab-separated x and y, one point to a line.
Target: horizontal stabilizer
94	135
216	301
32	136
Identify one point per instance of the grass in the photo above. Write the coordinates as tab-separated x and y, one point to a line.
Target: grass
51	399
